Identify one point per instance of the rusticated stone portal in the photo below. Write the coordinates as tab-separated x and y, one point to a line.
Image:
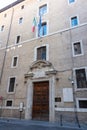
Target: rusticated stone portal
41	91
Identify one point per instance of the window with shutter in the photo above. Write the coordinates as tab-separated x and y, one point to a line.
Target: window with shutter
11	84
41	53
81	78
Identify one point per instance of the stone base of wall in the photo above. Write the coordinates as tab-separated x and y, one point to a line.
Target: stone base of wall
60	117
71	117
12	113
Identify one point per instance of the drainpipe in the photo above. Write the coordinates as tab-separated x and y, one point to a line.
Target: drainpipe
73	87
75	107
5	53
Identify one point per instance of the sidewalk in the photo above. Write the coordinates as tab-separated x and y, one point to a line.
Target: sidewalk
41	123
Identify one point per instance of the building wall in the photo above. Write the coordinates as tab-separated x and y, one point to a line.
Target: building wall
59	41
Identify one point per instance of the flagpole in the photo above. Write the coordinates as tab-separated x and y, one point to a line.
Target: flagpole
37	26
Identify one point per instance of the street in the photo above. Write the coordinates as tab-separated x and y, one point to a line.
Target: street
23	126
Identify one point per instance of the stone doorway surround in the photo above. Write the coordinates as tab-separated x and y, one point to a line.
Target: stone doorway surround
40	71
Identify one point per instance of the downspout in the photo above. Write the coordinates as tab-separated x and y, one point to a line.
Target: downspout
5	53
73	87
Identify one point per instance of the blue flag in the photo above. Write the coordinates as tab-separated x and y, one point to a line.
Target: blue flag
39	27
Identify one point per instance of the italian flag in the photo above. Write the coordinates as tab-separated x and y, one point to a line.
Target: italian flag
34	24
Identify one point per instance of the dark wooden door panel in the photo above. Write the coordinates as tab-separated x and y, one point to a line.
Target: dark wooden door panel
41	101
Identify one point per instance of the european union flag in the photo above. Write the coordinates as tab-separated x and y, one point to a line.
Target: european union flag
39	27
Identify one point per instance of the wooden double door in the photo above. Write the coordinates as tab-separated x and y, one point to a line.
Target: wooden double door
40	110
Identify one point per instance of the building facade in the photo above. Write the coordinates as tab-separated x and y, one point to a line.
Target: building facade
43	60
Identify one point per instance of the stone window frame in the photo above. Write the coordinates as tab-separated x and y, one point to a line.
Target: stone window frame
74	75
39	0
5	15
42	24
47	24
20	20
45	3
77	103
12	66
9	84
81	44
2	28
41	7
22	7
77	21
47	52
71	2
17	43
7	101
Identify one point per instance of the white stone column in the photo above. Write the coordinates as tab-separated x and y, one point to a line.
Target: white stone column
51	99
28	112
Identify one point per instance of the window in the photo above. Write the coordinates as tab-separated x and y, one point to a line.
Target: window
82	103
18	39
9	103
2	28
57	99
41	53
71	1
11	84
5	15
77	48
20	20
81	78
74	21
14	61
22	7
43	30
43	9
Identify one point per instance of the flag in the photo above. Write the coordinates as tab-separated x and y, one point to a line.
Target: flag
34	24
39	27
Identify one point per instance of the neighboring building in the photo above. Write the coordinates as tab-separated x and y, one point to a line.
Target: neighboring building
44	72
